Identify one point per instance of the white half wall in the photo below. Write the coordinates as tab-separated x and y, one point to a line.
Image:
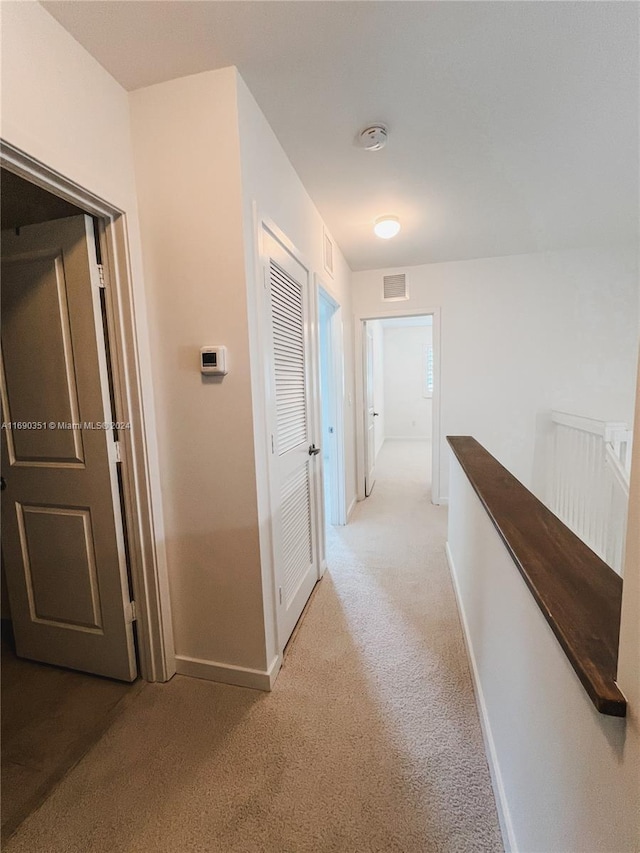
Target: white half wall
408	410
523	335
566	777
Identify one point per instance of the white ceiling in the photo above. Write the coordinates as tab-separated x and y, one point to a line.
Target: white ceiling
513	125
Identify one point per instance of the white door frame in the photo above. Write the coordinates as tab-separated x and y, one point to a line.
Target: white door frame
140	493
359	344
339	493
369	405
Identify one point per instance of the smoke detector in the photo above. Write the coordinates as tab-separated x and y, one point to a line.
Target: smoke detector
373	138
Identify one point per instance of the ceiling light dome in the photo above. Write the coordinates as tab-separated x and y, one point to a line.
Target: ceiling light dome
386	227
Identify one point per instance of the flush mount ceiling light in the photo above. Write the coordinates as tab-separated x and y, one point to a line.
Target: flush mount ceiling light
373	138
386	227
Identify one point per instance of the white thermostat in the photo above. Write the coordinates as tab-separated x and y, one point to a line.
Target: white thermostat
213	361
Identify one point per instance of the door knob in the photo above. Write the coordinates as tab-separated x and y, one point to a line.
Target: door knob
313	450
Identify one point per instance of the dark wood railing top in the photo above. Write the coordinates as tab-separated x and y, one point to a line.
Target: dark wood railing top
579	594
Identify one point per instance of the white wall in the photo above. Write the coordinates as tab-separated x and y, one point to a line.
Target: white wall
380	422
408	411
523	335
567	777
187	155
62	108
271	189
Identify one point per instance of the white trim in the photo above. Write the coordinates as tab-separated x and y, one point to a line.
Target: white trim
258	341
326	237
406	438
140	469
367	358
587	424
383	313
352	506
502	805
316	418
224	673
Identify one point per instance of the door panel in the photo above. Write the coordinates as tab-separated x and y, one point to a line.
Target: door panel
42	386
294	470
62	537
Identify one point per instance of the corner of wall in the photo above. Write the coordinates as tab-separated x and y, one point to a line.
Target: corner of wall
187	158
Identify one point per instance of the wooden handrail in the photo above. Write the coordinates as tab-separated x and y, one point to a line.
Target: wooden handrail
579	594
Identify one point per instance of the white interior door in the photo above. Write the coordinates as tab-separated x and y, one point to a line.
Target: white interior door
370	431
295	459
328	414
62	539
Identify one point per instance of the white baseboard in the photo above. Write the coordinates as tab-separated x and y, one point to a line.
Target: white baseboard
226	674
504	815
407	438
352	506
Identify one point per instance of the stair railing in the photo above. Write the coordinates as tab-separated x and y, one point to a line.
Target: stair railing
589	482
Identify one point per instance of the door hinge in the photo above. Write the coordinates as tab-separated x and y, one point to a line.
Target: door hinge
280	593
265	280
273	445
102	282
118	453
130	612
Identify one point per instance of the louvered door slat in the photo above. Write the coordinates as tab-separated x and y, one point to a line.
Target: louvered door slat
289	364
296	514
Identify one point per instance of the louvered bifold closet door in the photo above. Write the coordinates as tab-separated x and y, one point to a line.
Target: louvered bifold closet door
293	467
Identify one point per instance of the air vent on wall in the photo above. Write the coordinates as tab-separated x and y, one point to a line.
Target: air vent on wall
395	287
327	252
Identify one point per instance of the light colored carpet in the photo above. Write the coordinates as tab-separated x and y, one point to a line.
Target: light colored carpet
369	742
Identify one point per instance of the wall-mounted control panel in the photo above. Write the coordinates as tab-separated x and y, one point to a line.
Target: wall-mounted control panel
213	361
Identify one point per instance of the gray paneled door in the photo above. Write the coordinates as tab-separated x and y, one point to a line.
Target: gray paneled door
62	535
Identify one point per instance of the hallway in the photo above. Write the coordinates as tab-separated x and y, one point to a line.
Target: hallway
370	740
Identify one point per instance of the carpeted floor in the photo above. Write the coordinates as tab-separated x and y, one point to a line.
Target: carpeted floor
50	718
370	742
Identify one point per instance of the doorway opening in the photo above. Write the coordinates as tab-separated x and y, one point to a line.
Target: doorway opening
64	552
399	411
65	555
70	342
129	374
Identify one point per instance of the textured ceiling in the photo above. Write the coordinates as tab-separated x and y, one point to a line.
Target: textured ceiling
513	126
